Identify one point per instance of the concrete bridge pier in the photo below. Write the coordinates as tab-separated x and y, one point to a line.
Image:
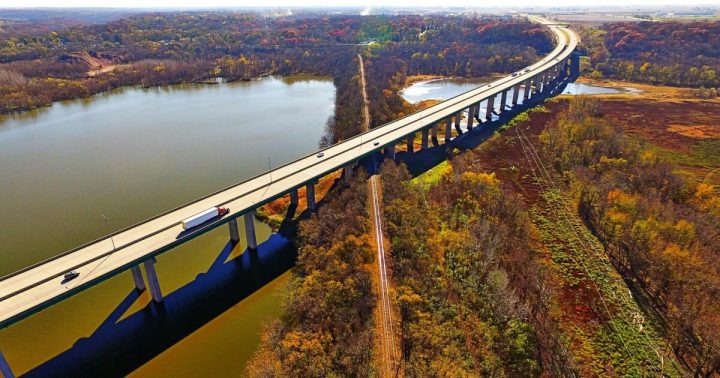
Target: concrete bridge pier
490	108
528	86
574	65
410	143
471	115
425	136
153	281
348	171
138	278
448	129
503	101
458	117
249	219
5	370
477	114
310	195
516	94
555	74
390	151
434	135
234	231
294	200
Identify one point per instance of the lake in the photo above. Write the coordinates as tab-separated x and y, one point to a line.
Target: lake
130	154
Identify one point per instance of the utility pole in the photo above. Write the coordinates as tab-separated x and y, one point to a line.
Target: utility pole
107	224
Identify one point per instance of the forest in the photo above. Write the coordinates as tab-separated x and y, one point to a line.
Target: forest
670	53
326	329
471	296
660	230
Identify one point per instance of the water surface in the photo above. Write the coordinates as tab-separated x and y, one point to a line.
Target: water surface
443	89
131	154
587	89
439	89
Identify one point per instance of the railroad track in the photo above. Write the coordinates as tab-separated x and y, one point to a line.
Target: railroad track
388	342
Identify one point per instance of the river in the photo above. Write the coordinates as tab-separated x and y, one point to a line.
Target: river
130	154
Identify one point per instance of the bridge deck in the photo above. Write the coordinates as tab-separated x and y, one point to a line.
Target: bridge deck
31	289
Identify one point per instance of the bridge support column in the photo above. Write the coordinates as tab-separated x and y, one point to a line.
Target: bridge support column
448	129
294	197
310	195
477	113
490	107
390	151
528	87
471	116
234	232
249	219
425	135
410	143
138	278
434	135
458	118
153	281
348	171
516	94
574	66
503	101
5	370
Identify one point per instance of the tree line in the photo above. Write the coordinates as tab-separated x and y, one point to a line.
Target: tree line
671	52
171	48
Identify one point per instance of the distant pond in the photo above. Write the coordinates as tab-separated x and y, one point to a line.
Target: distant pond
443	89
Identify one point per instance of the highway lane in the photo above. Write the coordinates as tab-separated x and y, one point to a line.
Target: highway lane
33	288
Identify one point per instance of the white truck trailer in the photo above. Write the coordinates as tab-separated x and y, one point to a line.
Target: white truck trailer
203	217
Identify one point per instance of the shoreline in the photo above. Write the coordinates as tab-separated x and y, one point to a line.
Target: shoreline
210	81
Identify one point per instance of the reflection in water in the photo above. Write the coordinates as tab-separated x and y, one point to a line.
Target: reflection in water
131	154
129	342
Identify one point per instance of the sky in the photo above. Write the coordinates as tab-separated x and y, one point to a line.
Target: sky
335	3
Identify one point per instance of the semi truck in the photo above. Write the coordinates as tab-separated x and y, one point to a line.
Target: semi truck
204	216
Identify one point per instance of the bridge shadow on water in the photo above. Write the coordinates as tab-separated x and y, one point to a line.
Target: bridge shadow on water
118	347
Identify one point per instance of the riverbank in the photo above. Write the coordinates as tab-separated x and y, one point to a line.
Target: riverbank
274	213
102	83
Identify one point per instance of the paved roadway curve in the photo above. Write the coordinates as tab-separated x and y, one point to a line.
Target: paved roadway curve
38	286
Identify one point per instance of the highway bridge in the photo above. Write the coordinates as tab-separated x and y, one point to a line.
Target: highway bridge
38	286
